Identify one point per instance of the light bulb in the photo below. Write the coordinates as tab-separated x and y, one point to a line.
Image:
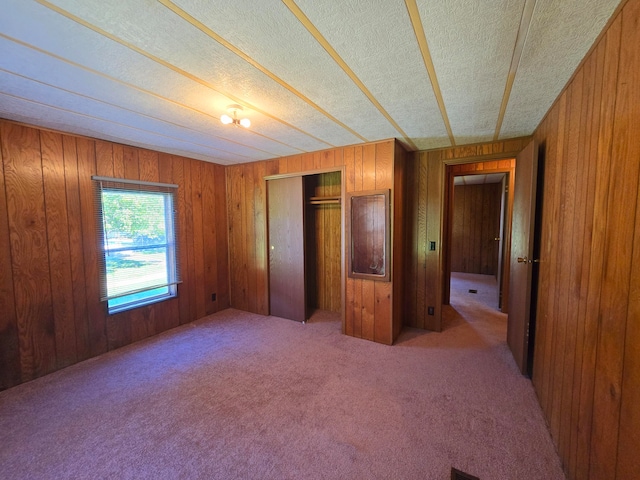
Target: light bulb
226	119
245	122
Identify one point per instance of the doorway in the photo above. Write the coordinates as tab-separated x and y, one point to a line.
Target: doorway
477	231
479	205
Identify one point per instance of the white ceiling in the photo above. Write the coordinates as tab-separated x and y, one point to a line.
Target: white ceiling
310	74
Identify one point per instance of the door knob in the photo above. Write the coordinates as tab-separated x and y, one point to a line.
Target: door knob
527	260
497	239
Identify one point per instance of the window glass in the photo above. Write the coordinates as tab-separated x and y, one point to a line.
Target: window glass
138	244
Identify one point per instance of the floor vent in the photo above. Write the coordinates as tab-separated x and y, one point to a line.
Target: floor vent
458	475
473	290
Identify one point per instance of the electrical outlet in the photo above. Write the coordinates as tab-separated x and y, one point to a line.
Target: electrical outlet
213	297
432	246
430	310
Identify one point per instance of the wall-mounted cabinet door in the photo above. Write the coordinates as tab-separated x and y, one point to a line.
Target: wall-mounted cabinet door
286	248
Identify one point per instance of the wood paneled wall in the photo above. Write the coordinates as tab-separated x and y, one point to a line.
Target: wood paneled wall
50	313
368	304
425	173
323	225
587	351
476	223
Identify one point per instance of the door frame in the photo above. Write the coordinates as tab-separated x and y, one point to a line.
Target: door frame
447	230
343	256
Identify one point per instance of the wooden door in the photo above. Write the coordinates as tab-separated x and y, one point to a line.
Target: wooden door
521	261
286	248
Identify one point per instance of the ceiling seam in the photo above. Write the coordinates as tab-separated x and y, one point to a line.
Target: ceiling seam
136	113
232	48
139	89
521	38
174	68
118	123
418	29
324	43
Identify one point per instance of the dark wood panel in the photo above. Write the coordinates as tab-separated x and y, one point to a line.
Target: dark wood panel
198	238
53	176
383	328
433	232
628	145
209	226
178	176
399	237
260	235
583	225
249	229
28	239
189	236
237	238
168	317
566	277
74	217
623	190
96	320
368	307
420	293
411	234
10	367
476	222
222	240
597	191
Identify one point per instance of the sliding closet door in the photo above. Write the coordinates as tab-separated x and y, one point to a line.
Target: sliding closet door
286	248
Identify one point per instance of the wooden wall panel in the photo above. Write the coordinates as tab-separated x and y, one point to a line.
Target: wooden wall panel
74	218
411	268
399	237
260	235
238	280
178	177
476	222
586	362
209	226
433	233
10	365
53	176
190	280
49	292
29	253
169	317
222	241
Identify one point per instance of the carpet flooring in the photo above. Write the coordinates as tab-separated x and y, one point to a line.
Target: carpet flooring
242	396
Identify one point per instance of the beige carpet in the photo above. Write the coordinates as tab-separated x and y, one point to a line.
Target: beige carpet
241	396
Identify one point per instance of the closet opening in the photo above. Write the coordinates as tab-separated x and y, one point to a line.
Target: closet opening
323	234
305	231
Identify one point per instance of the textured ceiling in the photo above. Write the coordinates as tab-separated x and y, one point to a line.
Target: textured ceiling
309	74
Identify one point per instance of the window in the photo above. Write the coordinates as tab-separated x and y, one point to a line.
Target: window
137	239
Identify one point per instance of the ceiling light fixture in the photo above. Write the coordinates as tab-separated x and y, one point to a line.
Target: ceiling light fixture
233	110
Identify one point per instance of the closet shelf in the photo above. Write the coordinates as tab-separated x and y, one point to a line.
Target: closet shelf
335	199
